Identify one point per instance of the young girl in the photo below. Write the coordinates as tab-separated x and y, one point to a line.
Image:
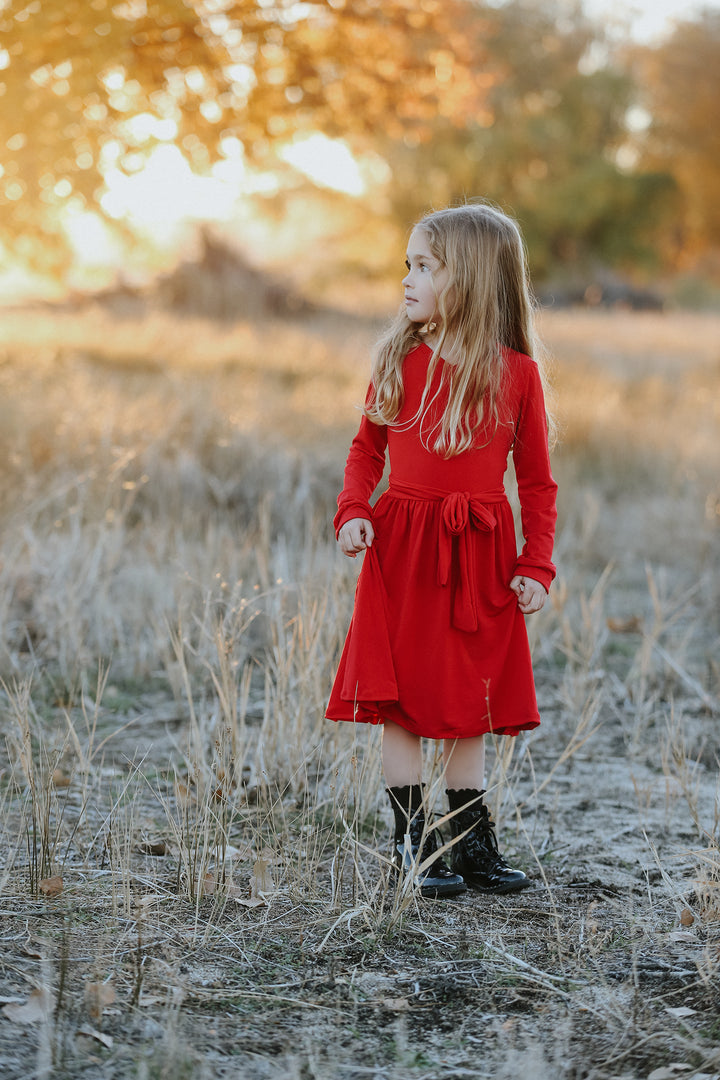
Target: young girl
437	646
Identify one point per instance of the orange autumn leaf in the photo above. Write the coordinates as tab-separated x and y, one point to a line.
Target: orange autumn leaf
98	995
51	886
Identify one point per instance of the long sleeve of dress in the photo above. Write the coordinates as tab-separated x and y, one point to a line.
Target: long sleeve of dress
363	471
536	487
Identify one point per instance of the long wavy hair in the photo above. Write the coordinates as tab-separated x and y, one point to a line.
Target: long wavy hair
485	307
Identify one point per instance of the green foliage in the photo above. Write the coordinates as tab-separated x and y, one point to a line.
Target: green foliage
547	149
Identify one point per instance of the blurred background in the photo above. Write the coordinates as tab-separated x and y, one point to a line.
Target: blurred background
204	207
307	137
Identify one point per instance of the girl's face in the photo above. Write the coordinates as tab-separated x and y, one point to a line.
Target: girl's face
424	281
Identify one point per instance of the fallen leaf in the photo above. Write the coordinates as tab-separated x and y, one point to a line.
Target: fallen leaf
396	1004
681	1010
632	625
250	901
37	1007
231	853
51	886
686	917
98	995
148	900
261	882
153	847
106	1040
670	1072
682	935
209	885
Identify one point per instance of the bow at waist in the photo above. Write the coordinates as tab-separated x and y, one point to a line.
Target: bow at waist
459	510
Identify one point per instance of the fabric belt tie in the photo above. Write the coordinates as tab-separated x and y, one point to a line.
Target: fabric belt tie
459	511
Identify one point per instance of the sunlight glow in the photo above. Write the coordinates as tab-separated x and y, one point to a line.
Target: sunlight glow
162	195
114	79
164	192
91	239
649	20
144	126
327	162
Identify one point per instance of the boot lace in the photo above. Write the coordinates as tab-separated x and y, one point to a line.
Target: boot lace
481	840
429	844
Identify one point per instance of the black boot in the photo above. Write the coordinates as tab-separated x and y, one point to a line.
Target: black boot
476	855
438	879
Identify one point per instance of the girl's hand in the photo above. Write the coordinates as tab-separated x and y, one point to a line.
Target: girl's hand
356	535
530	593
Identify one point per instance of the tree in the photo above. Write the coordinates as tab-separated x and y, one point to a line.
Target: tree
681	80
77	74
547	145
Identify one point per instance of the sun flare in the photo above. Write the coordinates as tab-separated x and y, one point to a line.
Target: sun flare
163	196
328	162
165	191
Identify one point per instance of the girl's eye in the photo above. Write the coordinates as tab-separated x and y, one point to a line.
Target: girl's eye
407	264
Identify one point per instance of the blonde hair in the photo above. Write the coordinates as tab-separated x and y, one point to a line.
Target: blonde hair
484	308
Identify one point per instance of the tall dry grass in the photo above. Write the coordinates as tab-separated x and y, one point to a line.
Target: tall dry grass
171	610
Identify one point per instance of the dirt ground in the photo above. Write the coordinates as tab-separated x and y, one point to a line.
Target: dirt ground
606	967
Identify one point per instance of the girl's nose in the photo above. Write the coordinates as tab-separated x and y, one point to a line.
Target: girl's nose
406	279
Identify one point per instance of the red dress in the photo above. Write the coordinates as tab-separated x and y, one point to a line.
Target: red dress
437	643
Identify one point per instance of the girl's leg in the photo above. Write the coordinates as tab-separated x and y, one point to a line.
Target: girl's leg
402	756
464	761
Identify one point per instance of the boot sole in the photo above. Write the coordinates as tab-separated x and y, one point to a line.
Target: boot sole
499	890
441	892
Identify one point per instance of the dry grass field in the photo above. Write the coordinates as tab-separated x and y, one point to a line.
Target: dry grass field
193	875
